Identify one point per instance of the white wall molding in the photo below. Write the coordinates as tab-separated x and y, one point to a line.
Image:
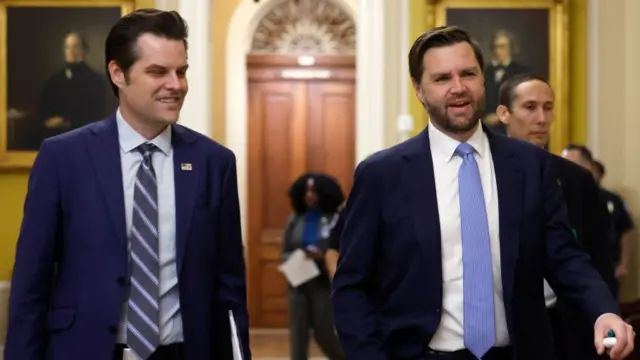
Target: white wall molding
593	83
370	72
613	125
196	112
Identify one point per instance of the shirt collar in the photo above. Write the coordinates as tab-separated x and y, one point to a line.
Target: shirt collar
130	139
444	147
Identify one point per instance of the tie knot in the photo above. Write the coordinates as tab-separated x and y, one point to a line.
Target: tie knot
464	149
147	149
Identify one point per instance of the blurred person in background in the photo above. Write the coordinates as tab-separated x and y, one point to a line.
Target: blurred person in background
315	199
622	224
618	218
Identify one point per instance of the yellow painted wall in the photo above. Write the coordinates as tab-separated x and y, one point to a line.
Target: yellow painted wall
578	71
417	25
577	60
13	188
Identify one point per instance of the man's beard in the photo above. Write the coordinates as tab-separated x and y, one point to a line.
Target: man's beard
438	114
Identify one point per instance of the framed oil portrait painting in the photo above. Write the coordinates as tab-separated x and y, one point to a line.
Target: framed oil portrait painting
516	36
53	71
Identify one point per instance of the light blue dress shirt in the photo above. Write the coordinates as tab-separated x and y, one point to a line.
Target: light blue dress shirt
130	158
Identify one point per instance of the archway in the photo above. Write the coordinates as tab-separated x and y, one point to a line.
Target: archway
301	102
242	26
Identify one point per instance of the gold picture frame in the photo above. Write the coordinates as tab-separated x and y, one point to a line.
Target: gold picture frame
558	47
19	156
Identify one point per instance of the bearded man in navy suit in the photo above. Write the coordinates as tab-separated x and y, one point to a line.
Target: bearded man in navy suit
449	235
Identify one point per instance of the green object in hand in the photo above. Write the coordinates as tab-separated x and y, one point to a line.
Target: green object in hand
611	333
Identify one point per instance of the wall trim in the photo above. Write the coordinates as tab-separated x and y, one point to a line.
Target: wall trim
593	82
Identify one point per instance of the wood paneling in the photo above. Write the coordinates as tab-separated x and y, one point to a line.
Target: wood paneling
300	119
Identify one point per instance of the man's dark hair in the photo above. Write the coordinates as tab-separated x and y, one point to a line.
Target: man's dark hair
121	44
599	167
584	151
439	37
507	92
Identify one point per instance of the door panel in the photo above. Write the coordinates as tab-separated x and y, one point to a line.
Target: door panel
332	130
295	126
274	116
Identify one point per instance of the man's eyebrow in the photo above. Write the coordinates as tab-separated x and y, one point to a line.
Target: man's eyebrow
473	69
160	67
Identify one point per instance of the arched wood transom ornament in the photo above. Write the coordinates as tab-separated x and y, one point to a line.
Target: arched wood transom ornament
305	27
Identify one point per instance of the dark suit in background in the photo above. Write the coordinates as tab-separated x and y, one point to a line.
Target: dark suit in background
621	223
588	216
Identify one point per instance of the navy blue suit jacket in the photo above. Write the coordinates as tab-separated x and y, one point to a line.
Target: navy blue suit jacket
70	275
387	294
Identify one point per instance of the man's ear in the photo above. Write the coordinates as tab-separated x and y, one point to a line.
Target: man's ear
503	114
118	76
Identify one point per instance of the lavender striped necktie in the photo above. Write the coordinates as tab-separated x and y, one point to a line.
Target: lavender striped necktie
143	333
479	322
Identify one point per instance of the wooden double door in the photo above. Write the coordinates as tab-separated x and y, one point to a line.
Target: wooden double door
301	119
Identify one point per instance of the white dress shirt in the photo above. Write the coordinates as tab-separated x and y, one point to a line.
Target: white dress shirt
129	139
449	336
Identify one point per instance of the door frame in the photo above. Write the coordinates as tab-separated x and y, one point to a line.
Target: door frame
274	67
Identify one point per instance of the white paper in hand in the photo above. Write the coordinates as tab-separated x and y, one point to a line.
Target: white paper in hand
235	340
298	269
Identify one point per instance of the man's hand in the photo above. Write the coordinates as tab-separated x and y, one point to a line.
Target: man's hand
625	336
622	270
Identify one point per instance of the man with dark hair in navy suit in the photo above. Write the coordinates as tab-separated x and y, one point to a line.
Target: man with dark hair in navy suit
131	233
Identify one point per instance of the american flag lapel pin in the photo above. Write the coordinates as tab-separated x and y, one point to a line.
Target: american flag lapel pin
186	167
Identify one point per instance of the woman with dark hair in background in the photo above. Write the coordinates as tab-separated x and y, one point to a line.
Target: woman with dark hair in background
315	199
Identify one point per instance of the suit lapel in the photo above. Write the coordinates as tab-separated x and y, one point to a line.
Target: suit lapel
510	196
421	195
188	167
104	151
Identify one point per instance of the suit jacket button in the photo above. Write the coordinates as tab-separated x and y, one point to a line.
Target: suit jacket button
121	280
113	330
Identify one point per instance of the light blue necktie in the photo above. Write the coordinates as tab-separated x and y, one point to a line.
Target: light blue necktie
479	323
